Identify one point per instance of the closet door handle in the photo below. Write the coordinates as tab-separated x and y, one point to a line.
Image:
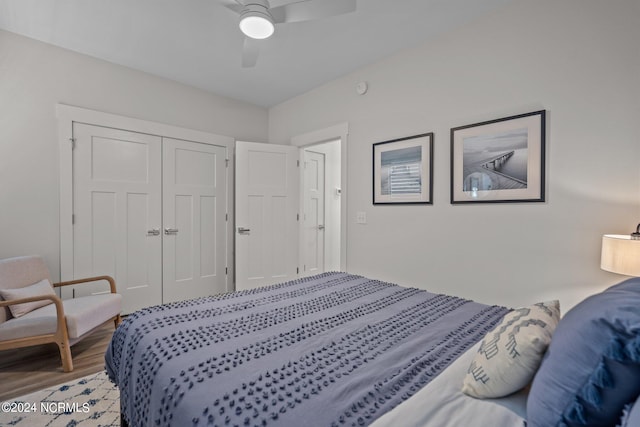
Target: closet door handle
242	230
153	232
170	231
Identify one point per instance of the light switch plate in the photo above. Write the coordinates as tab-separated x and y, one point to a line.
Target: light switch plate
361	217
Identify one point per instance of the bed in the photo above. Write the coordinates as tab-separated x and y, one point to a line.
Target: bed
328	350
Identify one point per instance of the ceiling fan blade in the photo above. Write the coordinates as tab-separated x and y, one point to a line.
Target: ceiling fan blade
250	52
234	5
311	9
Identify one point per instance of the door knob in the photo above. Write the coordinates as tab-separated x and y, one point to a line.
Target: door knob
321	227
153	232
169	231
242	230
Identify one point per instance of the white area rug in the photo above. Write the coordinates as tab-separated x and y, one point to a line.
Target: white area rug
91	401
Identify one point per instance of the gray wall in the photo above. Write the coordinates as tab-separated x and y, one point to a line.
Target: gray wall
34	77
579	60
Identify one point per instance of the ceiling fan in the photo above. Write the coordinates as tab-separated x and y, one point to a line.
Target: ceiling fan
258	19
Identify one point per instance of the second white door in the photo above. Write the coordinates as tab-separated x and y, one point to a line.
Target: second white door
267	202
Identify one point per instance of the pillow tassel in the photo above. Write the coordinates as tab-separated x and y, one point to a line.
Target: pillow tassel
616	351
601	376
576	413
592	395
633	349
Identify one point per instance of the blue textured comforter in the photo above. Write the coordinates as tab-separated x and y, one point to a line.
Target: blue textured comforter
329	350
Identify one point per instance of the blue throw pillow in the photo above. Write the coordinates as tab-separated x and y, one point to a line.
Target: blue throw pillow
592	367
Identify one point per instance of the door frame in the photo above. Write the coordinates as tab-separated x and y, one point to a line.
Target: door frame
66	115
340	132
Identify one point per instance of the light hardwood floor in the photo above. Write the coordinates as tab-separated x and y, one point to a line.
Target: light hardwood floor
29	369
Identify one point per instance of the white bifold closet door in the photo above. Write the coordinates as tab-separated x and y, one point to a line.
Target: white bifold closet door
150	212
117	203
194	199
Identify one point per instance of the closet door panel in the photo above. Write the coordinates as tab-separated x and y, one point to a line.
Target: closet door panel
194	211
117	201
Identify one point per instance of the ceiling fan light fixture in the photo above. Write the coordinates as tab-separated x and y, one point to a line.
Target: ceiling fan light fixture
256	22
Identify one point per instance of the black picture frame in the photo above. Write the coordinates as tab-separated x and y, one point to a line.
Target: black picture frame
499	161
403	171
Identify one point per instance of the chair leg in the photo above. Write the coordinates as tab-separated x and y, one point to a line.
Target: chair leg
65	355
117	320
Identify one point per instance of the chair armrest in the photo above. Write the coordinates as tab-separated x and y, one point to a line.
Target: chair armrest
112	283
53	298
56	300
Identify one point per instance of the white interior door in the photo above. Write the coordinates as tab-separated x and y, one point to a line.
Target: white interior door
117	207
267	198
194	211
314	213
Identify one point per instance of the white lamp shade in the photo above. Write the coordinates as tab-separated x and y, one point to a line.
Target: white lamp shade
256	25
620	254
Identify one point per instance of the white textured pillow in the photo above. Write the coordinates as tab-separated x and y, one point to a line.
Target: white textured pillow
510	355
43	287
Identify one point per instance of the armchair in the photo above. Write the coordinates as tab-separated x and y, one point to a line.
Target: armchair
63	322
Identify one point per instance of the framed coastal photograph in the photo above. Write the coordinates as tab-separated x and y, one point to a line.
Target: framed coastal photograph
500	160
403	170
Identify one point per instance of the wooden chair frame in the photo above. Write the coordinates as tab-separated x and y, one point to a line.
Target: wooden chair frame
61	336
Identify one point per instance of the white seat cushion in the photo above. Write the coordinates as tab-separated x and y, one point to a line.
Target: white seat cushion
41	321
85	313
82	314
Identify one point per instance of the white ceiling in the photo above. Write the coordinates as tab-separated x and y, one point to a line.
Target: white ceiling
197	42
